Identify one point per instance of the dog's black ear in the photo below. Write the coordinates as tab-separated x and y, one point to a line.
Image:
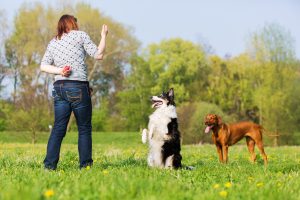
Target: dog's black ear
171	97
171	93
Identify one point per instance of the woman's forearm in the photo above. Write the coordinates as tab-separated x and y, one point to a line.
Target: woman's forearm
101	48
102	44
51	69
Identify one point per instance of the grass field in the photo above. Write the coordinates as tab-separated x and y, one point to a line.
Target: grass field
120	172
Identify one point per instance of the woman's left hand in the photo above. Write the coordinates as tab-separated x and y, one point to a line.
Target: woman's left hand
104	31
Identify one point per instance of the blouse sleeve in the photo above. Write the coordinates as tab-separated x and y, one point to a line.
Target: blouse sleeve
89	45
47	58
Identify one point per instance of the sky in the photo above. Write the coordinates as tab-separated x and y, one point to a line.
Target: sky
225	25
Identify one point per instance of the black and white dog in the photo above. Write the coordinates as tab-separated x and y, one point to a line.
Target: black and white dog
162	134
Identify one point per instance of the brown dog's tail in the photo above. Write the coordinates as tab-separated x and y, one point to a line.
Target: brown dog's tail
267	133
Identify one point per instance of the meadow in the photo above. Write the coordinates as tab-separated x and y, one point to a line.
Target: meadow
120	171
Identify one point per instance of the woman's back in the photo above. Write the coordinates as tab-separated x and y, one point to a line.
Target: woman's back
70	50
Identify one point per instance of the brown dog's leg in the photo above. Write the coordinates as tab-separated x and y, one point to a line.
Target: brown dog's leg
219	150
262	151
251	145
225	153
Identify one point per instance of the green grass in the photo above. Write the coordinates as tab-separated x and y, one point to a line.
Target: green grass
120	172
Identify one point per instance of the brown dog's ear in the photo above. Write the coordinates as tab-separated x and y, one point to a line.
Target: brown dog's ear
219	120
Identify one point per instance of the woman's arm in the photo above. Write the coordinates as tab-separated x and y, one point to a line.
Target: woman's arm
102	44
47	65
55	70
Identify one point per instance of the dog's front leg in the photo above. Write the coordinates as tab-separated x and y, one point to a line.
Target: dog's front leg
151	130
225	153
166	136
219	150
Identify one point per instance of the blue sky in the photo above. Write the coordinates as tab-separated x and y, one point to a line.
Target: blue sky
223	24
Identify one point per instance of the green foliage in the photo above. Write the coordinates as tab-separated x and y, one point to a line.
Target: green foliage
230	84
2	125
134	100
276	79
100	115
179	64
272	43
5	109
2	120
34	119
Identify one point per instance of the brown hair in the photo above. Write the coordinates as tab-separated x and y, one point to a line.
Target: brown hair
65	24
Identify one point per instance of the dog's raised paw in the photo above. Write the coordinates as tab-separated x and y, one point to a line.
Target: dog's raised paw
144	136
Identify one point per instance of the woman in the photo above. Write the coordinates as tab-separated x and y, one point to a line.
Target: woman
65	57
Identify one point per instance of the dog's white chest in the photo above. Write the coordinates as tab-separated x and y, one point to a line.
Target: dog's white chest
160	119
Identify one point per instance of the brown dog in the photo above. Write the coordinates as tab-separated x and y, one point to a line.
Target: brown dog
225	135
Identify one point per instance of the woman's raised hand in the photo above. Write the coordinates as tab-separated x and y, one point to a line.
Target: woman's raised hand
104	31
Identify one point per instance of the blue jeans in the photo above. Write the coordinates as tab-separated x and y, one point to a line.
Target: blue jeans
71	96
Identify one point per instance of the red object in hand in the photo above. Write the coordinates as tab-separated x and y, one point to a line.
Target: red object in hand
67	68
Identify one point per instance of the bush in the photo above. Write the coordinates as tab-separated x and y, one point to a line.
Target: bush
100	115
2	124
5	110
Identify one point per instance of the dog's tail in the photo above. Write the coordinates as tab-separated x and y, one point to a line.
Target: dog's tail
267	133
189	167
144	136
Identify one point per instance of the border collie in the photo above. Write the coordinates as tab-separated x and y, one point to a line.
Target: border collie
162	134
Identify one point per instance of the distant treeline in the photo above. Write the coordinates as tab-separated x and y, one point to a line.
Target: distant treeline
261	84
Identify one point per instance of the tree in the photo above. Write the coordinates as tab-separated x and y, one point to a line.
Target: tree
179	64
134	101
231	84
275	77
3	34
272	43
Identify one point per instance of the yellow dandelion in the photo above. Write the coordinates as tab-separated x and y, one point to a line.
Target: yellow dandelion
216	186
105	172
228	185
260	184
223	193
48	193
88	168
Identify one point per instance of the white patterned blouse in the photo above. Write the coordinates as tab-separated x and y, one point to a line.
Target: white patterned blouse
71	50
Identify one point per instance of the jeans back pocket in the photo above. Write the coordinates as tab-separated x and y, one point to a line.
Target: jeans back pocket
55	94
74	95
